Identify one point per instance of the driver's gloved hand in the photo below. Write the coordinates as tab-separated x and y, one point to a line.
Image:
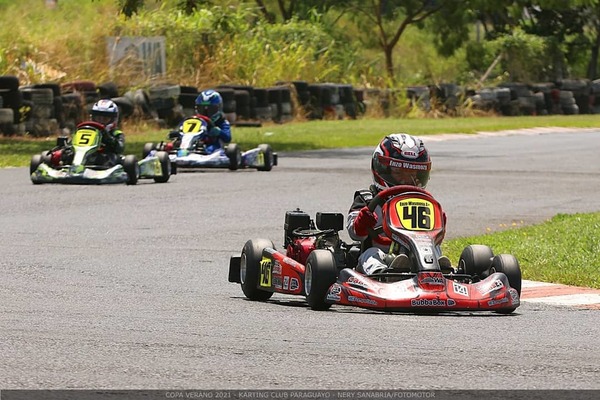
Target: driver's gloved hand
214	131
364	221
108	139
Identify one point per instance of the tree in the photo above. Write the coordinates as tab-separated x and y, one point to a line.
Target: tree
388	20
130	7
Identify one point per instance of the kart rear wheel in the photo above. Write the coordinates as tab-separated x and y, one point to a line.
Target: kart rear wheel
509	266
148	147
165	167
267	153
475	259
233	152
250	269
320	274
132	168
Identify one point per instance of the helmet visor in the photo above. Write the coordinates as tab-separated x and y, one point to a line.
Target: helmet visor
397	172
207	109
104	117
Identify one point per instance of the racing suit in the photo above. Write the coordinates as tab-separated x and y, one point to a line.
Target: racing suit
372	259
219	134
113	146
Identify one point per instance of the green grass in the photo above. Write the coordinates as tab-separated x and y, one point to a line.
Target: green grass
565	249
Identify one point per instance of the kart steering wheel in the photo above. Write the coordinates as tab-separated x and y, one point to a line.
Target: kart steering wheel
383	196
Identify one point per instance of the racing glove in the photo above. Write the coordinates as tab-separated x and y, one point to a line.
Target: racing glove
109	140
364	221
214	131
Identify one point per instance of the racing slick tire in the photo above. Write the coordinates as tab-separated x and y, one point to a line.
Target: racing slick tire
509	266
132	168
148	147
233	152
320	274
267	153
36	160
475	259
165	167
250	269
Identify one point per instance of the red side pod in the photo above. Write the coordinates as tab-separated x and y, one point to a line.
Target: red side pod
288	274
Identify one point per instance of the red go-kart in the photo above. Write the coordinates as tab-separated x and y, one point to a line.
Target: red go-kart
319	265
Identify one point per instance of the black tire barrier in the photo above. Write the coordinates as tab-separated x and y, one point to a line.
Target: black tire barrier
188	90
9	82
188	100
108	90
126	107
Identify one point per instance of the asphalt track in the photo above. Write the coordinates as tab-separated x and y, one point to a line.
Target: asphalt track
121	287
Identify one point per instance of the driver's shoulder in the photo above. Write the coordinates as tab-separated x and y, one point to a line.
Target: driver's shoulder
365	195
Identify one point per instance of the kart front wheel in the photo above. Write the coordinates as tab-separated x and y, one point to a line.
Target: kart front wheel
36	160
320	274
475	259
233	152
131	167
165	167
250	269
267	154
509	266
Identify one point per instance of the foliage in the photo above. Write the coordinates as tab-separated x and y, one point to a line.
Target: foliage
370	43
523	56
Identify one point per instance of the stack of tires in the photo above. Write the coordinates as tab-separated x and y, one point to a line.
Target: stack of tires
262	108
574	96
595	94
348	101
229	103
522	101
164	103
243	100
41	120
187	99
419	96
11	101
325	101
302	96
280	100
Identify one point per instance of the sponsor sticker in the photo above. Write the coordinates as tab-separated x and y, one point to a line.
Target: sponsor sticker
286	282
460	289
429	303
294	284
496	302
362	300
495	285
357	282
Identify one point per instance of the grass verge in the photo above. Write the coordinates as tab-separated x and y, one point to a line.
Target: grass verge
564	249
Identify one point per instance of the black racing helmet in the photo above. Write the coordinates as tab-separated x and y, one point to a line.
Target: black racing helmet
400	159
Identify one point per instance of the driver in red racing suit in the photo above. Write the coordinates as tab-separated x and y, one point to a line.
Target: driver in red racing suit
399	159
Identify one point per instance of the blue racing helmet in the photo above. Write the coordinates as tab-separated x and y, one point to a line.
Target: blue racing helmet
210	104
